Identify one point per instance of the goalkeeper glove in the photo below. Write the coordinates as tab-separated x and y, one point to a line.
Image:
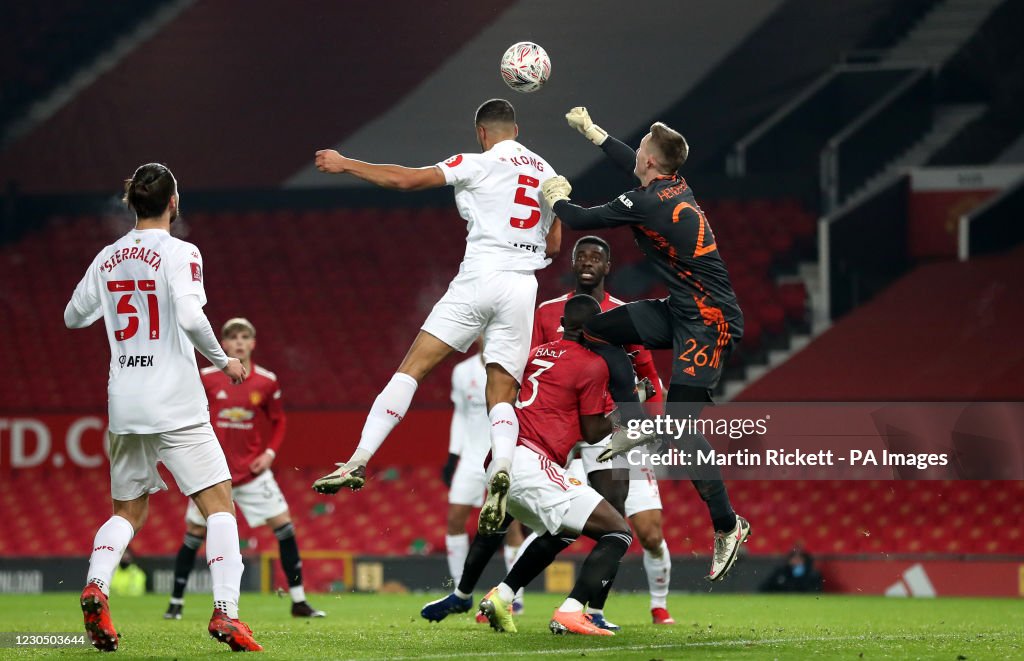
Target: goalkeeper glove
555	189
580	120
448	470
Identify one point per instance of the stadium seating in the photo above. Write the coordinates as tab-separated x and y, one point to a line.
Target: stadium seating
304	72
879	353
333	315
390	518
44	43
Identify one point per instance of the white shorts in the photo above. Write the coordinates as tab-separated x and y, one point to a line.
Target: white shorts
643	492
496	304
192	454
469	482
544	496
259	501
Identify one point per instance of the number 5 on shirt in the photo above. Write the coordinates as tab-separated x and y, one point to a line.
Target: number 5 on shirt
527	198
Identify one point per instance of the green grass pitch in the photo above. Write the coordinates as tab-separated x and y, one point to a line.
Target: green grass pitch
709	627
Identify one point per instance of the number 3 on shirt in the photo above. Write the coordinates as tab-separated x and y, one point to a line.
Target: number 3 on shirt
124	306
527	198
544	366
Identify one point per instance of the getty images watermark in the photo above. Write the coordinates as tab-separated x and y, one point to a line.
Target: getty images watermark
677	430
972	440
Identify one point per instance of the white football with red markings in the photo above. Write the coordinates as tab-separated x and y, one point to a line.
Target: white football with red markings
525	67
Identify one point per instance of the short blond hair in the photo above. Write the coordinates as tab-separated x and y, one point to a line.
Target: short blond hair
237	324
671	146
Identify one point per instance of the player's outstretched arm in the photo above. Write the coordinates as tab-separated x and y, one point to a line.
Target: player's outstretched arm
189	312
396	177
556	191
619	152
579	119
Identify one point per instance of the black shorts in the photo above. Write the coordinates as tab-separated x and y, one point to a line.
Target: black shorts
700	347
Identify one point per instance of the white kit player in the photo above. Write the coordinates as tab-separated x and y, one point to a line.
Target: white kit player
467	480
512	233
148	288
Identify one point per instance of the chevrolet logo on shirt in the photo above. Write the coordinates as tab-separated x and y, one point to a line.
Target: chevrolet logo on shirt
236	414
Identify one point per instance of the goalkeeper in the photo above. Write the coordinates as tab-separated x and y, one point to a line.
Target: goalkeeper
700	320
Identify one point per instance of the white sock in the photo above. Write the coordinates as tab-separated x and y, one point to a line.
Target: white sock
225	561
387	411
595	611
570	605
505	592
108	546
298	594
520	594
458	549
511	553
659	572
504	435
460	594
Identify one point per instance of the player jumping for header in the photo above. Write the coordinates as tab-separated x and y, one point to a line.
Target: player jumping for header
512	234
700	320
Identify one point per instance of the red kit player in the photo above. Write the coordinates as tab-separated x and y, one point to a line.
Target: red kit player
234	411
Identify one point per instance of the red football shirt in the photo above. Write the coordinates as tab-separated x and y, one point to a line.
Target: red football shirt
547	327
562	382
233	412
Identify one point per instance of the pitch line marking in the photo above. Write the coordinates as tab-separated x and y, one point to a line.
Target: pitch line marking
612	649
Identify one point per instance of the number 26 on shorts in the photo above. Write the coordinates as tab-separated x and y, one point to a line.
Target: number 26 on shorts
700	358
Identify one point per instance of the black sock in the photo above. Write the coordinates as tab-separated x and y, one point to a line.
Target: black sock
481	550
184	563
711	489
535	559
600	566
687	402
291	563
597	603
713	492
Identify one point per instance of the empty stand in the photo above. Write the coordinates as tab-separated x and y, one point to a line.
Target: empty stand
338	295
405	505
43	43
942	332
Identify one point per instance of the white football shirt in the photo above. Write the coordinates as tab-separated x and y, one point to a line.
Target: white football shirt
498	194
154	383
471	428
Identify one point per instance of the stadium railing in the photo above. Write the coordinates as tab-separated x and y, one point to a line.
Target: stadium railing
863	246
994	226
791	139
890	126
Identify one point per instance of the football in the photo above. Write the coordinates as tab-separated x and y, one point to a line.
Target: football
525	67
